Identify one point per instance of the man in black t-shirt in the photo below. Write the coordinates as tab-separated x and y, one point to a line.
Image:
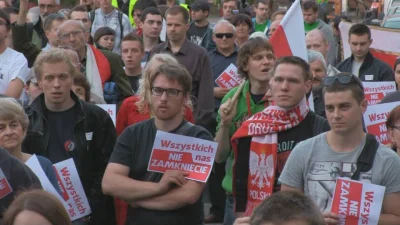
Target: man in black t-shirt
156	198
63	127
200	30
132	51
14	177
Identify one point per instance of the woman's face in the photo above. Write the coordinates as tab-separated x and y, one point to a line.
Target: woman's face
79	91
11	134
28	217
397	75
107	41
242	30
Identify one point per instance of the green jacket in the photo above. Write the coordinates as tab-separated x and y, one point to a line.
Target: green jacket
242	114
22	44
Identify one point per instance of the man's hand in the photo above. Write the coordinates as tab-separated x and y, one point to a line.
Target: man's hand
227	112
171	177
23	11
220	92
331	218
242	221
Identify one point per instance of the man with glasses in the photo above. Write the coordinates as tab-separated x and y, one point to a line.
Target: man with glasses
318	72
261	22
156	198
314	165
46	7
196	61
270	135
221	57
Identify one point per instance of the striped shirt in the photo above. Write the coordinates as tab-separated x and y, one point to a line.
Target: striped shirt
111	20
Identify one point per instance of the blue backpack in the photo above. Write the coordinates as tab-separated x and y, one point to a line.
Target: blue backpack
111	93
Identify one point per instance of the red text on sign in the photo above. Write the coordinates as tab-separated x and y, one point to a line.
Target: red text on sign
369	196
70	187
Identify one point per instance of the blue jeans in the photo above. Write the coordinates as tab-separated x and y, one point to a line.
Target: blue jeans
229	217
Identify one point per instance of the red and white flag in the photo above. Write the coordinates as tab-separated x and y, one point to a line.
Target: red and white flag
289	39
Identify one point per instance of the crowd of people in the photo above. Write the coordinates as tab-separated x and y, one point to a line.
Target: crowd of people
160	62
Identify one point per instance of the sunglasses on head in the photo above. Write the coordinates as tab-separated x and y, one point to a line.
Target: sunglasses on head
221	35
342	79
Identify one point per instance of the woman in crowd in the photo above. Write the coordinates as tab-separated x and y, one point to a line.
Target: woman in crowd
243	25
13	127
36	207
134	110
393	127
104	38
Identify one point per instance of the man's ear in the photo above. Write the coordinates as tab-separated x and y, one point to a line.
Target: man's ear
364	105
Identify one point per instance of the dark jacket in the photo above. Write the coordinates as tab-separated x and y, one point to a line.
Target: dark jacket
91	156
22	44
207	42
371	66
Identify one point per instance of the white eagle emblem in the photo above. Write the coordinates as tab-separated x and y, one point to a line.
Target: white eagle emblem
262	167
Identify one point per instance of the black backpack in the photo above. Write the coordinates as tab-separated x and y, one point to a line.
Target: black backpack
367	156
92	15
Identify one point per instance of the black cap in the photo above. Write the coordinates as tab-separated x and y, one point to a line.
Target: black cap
200	5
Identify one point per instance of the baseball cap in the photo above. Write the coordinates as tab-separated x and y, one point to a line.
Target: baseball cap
200	5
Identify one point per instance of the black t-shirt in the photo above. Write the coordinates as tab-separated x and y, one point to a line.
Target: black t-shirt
196	34
134	81
19	178
62	143
256	98
133	149
287	140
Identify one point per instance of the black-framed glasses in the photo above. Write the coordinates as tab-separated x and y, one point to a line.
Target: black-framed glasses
171	92
221	35
342	79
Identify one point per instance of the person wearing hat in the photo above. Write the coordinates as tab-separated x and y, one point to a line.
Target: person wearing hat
13	65
200	30
104	38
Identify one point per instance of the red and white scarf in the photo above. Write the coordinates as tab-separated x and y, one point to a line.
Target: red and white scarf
264	127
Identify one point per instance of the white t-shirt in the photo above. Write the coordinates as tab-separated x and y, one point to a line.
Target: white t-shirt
12	65
355	67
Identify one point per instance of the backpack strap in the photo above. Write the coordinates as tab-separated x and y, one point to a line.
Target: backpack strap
92	14
120	14
366	158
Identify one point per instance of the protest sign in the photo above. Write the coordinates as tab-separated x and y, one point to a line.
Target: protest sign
5	187
72	190
229	78
375	118
111	109
357	203
34	164
375	91
178	152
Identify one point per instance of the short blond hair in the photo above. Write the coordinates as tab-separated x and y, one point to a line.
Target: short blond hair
11	110
54	55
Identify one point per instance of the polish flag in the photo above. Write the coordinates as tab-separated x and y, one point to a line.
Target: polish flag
289	39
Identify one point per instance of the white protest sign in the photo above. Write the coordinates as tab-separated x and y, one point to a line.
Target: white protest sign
34	164
111	109
357	203
229	78
72	189
375	91
375	120
178	152
5	188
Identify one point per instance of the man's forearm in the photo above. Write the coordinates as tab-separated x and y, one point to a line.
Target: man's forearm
389	219
175	198
224	145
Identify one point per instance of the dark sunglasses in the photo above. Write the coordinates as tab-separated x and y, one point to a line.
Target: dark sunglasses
221	35
342	79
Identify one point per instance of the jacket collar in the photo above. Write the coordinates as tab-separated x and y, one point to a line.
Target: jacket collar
183	50
39	105
369	59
